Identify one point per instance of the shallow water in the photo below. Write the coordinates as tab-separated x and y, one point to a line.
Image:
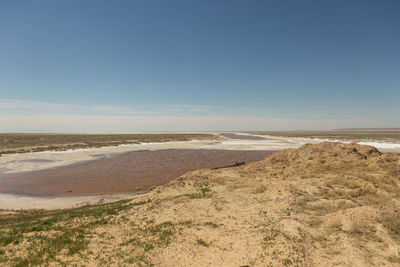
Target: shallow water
124	173
242	136
36	160
2	170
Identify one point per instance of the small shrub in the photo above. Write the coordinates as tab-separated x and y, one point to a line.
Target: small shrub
315	222
261	189
205	192
334	226
213	225
359	226
287	262
392	223
203	243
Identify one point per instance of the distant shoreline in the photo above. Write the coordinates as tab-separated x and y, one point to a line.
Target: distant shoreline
26	143
368	129
341	136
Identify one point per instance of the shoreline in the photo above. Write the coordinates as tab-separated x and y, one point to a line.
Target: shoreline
45	160
127	173
10	202
22	162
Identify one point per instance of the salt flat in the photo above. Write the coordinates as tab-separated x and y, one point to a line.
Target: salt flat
12	163
15	163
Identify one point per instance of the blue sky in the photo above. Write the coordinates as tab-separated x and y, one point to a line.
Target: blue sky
298	61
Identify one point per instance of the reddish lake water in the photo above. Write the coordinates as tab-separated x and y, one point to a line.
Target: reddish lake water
126	173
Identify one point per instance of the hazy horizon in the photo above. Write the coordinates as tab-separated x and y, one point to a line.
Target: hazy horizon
142	66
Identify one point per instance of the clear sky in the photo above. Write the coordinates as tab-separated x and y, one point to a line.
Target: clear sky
144	65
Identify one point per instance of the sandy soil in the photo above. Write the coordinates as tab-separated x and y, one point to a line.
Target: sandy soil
20	202
328	204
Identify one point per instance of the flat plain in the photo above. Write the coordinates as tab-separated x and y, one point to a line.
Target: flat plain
378	135
22	143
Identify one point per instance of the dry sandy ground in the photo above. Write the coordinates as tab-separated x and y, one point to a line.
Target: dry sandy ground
18	202
329	204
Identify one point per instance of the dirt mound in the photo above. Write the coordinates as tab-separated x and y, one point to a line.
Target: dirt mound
329	204
342	151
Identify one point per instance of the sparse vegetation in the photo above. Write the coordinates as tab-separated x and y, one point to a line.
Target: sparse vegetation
205	192
45	235
392	222
211	224
203	243
22	143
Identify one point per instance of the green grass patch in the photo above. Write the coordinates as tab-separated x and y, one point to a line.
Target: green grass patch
201	242
46	234
205	192
145	238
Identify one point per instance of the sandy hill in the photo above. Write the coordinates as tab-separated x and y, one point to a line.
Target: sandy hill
329	204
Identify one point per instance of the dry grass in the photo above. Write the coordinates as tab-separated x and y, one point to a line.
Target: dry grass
333	226
392	222
359	226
